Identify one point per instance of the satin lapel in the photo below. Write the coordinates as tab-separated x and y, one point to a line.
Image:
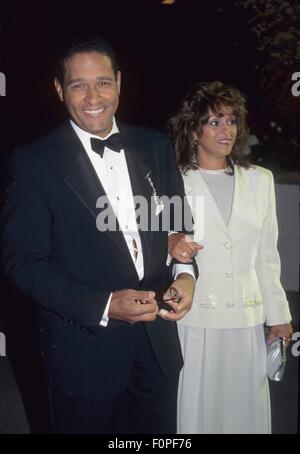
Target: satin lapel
138	170
243	197
84	182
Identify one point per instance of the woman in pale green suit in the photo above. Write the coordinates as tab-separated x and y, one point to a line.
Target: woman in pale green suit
223	386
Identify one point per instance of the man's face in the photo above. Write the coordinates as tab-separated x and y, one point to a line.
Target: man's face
90	91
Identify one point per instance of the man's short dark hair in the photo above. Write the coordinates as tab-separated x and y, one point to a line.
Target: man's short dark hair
84	43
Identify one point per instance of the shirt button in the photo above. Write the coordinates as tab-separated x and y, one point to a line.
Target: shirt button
111	168
227	245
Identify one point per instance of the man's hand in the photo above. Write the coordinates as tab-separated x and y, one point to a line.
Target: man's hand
185	286
284	331
133	306
181	247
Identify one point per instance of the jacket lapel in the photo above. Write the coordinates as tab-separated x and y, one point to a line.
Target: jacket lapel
198	186
243	197
82	179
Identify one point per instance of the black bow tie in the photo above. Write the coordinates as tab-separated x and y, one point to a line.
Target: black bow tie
113	142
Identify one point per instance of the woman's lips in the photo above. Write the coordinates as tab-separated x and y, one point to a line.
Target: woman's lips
224	141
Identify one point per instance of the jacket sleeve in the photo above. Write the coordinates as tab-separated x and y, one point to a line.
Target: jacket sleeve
27	259
268	266
181	220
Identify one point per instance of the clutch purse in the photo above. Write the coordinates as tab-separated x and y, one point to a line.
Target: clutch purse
276	359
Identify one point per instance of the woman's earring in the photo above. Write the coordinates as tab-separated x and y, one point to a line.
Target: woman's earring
195	142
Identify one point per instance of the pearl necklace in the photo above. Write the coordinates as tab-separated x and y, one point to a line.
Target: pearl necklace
215	171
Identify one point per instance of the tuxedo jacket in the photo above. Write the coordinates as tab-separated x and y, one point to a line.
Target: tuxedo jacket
239	267
54	253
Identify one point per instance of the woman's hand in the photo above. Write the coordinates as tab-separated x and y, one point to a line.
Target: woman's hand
181	247
285	331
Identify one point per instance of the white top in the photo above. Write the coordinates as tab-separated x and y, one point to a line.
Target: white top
221	186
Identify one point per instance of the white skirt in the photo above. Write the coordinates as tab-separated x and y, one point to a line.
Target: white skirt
223	386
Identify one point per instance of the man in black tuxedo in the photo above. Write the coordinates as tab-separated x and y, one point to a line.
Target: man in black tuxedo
111	355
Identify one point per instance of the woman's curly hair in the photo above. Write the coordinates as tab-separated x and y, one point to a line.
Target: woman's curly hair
194	113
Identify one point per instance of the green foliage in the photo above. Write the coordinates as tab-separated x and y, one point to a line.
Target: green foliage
276	26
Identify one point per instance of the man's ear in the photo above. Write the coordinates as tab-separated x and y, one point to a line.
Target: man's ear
59	89
119	81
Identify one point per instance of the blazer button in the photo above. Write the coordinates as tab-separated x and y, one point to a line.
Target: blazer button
228	274
227	244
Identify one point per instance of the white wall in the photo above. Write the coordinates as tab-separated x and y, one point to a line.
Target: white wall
287	196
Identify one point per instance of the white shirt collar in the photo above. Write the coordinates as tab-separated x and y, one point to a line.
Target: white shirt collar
85	136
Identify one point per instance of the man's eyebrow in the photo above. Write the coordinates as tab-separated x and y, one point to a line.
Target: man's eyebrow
101	78
75	81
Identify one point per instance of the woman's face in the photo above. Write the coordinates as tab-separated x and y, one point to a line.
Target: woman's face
218	135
